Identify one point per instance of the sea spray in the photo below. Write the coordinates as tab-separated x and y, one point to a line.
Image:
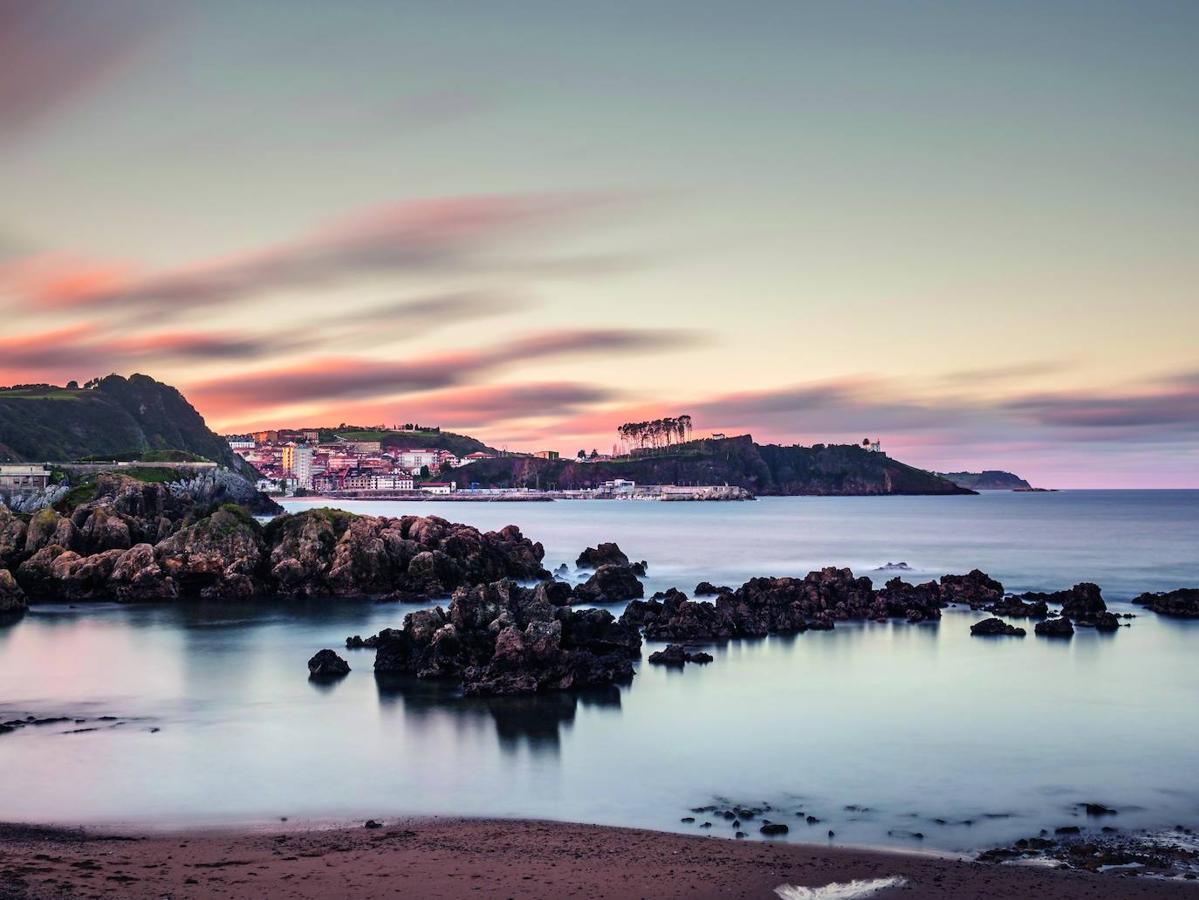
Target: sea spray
851	890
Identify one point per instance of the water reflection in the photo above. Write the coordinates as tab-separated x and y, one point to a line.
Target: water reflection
532	723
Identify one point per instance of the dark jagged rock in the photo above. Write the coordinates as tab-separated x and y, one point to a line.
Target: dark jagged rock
640	568
707	589
1182	603
677	655
770	829
501	638
916	603
995	627
326	666
610	583
1020	607
976	589
13	602
1056	627
606	554
1083	604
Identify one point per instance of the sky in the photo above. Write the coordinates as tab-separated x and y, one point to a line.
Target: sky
968	230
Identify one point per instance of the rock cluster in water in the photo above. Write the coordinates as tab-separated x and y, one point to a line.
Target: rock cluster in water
501	638
765	606
1183	603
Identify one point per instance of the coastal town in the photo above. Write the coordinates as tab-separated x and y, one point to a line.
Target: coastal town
313	461
381	462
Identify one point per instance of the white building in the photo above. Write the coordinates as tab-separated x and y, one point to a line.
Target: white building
297	461
394	482
438	487
412	460
23	479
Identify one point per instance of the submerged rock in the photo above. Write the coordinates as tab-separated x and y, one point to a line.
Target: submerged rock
1025	606
995	627
1057	627
326	666
677	655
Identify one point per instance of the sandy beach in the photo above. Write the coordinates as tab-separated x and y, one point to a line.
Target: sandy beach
454	858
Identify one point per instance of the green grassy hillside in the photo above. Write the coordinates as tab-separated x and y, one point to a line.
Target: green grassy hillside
135	418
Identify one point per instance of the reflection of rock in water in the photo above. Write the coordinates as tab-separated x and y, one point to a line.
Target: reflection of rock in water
533	722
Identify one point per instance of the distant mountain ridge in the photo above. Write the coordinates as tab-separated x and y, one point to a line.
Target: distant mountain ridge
763	469
114	418
988	480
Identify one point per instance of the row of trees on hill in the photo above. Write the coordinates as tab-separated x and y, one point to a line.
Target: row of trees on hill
656	433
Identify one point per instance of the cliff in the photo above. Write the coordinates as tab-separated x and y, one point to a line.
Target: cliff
117	418
763	469
988	480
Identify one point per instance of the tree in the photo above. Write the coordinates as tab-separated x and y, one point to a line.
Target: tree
446	468
582	454
424	471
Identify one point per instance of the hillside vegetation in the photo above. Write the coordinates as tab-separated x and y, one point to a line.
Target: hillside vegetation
764	469
135	418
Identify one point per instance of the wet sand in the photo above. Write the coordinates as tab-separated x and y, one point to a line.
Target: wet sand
455	858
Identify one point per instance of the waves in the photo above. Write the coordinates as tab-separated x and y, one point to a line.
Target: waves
851	890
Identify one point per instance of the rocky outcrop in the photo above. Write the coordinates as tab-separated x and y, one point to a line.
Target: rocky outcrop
500	638
610	583
227	555
13	602
606	554
996	628
916	603
12	537
138	577
1182	603
678	655
1056	627
327	666
975	589
215	559
707	589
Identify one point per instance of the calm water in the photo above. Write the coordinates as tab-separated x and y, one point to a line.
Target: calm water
917	723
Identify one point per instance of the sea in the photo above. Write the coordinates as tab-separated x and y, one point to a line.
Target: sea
875	734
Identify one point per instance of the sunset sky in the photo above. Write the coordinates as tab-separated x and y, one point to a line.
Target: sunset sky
968	229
